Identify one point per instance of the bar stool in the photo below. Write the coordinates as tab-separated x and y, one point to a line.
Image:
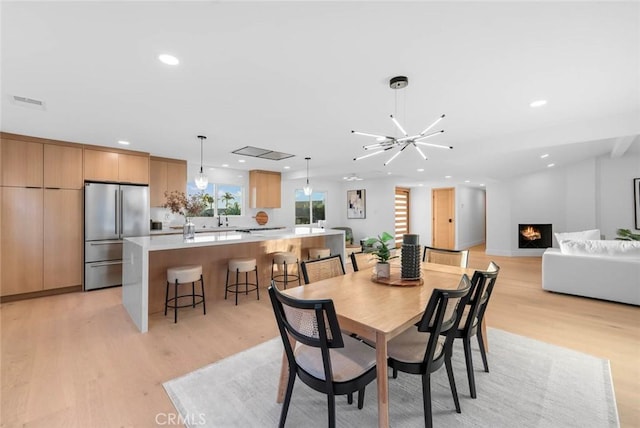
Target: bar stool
318	253
245	265
184	275
285	259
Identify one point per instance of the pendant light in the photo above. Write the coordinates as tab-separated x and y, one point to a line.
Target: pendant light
307	188
201	179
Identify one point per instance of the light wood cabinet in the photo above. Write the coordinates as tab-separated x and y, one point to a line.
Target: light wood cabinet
100	165
22	243
62	251
133	169
166	175
264	189
62	167
21	163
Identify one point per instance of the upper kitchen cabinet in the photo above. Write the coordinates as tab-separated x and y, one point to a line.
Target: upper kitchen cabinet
21	163
62	167
264	189
166	175
133	168
100	165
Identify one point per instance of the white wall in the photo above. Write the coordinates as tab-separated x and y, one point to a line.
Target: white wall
594	194
469	221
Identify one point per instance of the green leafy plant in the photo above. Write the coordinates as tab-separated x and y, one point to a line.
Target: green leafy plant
379	247
627	235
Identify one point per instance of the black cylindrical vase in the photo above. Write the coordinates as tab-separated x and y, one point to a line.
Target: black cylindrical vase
411	256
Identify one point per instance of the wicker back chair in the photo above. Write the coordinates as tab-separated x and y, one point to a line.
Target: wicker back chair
446	257
319	269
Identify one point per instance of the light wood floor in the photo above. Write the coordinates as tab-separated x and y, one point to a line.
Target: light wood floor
76	360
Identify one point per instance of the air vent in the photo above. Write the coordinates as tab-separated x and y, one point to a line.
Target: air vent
257	152
27	102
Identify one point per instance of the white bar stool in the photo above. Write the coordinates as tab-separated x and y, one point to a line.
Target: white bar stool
318	253
238	266
283	260
184	275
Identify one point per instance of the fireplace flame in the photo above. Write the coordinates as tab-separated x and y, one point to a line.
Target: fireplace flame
531	233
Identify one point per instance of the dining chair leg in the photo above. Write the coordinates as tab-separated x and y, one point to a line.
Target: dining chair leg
287	399
469	362
361	399
452	384
426	400
483	351
331	401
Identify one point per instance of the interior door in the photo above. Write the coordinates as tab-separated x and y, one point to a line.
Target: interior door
443	226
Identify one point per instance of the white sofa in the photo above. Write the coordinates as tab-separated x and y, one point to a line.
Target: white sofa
608	270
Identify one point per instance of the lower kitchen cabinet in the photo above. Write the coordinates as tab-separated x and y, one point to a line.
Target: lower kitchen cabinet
41	239
22	243
62	252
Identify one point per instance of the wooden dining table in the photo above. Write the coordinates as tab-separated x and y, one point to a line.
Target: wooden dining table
377	312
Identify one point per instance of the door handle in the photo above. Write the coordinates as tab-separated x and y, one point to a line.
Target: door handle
450	221
106	243
95	265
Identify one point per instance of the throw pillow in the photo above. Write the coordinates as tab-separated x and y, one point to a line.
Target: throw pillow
593	234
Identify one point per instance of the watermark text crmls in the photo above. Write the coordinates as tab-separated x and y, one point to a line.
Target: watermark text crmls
168	419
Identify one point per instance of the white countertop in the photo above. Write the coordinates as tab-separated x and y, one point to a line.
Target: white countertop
178	230
159	242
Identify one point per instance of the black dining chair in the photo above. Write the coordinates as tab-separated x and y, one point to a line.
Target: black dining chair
421	350
323	358
323	268
445	256
473	315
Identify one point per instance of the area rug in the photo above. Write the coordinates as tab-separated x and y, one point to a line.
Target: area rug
531	384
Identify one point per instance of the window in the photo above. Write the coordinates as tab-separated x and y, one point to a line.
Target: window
401	214
310	209
227	200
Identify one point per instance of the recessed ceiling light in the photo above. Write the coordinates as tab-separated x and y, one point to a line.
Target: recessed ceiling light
211	169
551	165
420	169
481	184
168	59
447	176
287	167
239	176
388	173
467	181
241	160
538	103
124	143
546	155
225	165
420	184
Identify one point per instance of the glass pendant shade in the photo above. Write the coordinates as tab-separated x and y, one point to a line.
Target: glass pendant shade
201	180
307	189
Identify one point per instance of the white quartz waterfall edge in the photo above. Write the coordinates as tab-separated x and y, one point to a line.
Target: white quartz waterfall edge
531	384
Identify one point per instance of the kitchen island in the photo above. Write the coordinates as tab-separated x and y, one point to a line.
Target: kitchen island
146	259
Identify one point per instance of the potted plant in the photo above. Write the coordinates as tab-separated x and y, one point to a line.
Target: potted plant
379	248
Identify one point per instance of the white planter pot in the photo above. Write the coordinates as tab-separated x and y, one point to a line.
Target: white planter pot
383	270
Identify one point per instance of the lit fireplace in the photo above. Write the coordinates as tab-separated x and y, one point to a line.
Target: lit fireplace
534	236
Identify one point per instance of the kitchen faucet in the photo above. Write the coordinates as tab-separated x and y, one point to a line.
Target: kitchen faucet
219	221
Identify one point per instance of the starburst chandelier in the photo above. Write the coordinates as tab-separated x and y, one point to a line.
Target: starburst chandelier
385	143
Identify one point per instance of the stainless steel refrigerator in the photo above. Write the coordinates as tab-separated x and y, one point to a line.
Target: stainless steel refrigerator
112	212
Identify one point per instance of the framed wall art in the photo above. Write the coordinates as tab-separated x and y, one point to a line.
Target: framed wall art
356	204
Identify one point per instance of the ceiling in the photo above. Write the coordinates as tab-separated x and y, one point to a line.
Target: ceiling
297	77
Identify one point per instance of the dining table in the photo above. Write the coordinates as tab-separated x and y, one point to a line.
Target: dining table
377	311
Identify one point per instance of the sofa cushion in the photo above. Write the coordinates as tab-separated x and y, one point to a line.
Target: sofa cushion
626	249
576	236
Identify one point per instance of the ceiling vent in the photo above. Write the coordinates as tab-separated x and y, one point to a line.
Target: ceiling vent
257	152
27	102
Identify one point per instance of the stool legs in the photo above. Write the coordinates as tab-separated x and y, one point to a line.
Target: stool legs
176	297
246	284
